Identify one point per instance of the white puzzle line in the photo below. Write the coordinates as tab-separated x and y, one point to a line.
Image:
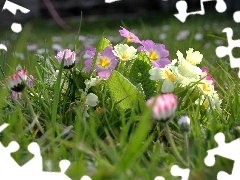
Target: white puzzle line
182	6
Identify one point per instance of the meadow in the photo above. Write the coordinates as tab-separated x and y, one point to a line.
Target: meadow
116	136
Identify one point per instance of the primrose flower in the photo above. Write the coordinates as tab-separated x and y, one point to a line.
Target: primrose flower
105	63
129	35
194	57
156	52
15	81
208	77
210	101
89	55
165	74
186	69
169	74
124	52
163	107
69	58
206	87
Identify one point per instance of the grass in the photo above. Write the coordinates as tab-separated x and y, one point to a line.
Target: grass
113	144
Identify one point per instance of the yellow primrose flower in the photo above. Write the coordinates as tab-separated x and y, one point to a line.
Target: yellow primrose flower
206	87
124	52
187	69
213	101
194	57
164	74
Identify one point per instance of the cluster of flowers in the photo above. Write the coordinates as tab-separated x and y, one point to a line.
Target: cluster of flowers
109	58
182	71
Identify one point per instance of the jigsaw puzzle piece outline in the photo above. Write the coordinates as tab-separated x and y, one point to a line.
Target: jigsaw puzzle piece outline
6	160
236	16
222	51
182	6
223	151
177	171
34	165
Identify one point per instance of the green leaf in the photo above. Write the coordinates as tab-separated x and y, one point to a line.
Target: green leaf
104	42
123	93
139	73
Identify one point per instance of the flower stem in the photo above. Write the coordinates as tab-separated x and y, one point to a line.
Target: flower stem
187	148
173	146
34	116
121	67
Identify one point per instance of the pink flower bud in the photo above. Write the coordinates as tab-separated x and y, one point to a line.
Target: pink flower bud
15	82
164	106
68	56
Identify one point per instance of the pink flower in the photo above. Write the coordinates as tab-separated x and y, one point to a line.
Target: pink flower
129	35
208	77
90	55
164	106
156	52
69	58
15	81
105	63
15	92
204	69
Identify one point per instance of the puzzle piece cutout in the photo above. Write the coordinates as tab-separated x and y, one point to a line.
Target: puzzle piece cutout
222	51
12	7
176	171
228	150
182	6
33	169
236	16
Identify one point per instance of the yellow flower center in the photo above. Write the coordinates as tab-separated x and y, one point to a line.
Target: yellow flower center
124	56
169	75
129	39
206	88
191	61
104	62
153	55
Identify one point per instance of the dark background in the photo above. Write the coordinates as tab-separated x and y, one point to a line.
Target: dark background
69	8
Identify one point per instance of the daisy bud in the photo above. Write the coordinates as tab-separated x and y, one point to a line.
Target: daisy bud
68	57
164	107
15	82
184	124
